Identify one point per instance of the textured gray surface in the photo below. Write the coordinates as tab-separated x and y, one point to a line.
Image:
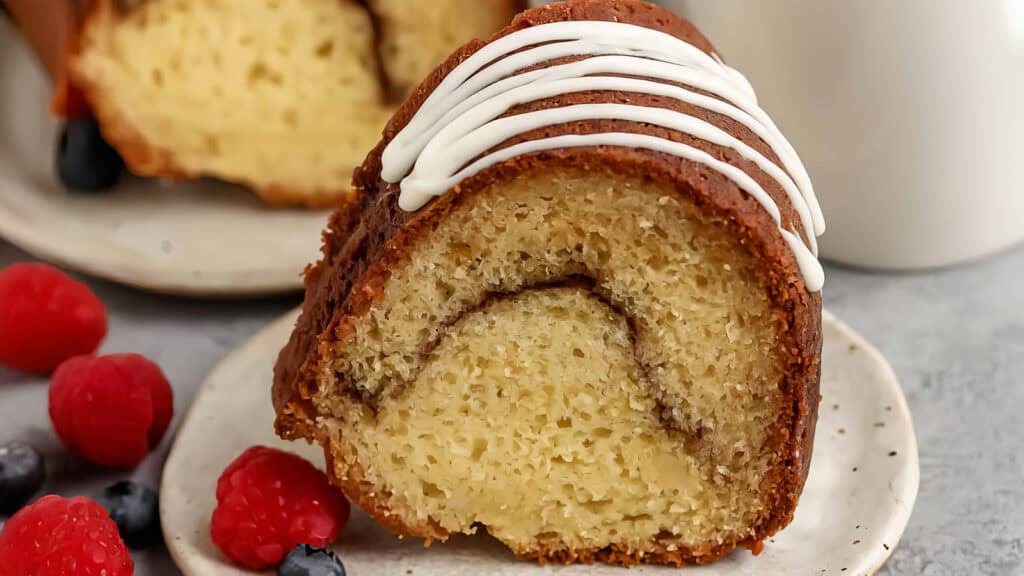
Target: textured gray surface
955	338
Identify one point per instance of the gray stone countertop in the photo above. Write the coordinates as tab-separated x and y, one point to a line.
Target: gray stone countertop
955	338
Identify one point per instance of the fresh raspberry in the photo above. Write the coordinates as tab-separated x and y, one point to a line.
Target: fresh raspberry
46	318
269	502
111	409
58	536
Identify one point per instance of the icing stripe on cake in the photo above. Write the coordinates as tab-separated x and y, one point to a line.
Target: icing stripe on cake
462	118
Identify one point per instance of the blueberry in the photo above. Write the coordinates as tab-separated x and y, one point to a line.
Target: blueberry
21	475
136	511
305	560
85	162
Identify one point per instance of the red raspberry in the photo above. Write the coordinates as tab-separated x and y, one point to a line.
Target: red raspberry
46	318
57	537
111	409
269	502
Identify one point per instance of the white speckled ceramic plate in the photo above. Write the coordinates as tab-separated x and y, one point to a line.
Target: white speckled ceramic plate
202	238
857	501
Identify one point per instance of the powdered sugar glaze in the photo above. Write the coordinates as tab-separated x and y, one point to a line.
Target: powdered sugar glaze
461	119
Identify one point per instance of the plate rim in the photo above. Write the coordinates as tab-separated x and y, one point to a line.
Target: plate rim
900	518
208	285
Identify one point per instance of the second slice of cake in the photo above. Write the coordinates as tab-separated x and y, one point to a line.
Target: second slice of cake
284	96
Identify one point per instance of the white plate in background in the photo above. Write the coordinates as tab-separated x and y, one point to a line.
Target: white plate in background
198	238
855	506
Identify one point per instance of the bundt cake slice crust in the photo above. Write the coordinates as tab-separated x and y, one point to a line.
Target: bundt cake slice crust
372	240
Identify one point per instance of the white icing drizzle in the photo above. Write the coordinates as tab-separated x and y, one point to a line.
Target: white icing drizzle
461	119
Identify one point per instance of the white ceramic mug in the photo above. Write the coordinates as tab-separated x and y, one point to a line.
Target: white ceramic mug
908	113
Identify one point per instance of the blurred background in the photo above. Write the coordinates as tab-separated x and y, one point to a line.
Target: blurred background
906	113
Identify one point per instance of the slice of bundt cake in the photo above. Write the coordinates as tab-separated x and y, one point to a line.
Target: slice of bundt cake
576	301
283	95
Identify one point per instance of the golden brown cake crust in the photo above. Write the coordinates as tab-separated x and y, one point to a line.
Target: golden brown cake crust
371	234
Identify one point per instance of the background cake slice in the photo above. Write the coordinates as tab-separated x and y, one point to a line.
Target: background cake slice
417	36
284	96
576	302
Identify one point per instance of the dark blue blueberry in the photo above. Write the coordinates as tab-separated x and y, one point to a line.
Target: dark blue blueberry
21	475
305	560
136	511
85	162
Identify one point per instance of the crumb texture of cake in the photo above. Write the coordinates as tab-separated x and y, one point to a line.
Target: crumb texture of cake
544	412
283	96
574	307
